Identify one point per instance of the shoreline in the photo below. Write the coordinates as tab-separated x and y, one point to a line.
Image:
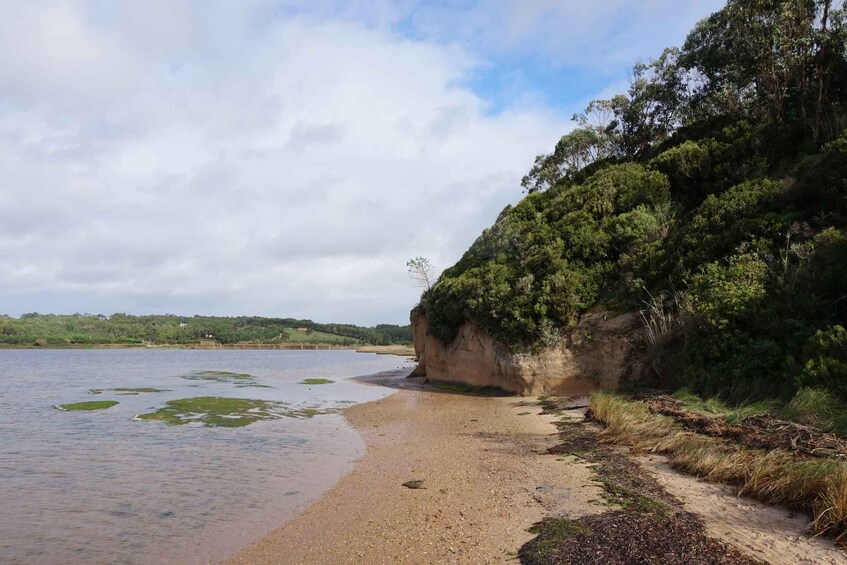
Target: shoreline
397	350
452	478
485	480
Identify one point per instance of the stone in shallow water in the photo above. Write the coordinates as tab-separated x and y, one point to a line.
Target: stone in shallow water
89	405
216	411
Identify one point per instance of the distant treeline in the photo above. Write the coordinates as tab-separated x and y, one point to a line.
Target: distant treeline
90	329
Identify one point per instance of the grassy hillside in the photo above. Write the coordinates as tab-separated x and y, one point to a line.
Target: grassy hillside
294	335
712	196
87	329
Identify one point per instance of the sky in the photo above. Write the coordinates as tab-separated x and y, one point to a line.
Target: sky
280	157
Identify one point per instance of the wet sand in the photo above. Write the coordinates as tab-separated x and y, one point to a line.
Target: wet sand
486	480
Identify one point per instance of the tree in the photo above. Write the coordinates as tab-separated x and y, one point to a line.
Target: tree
421	271
776	59
575	150
624	127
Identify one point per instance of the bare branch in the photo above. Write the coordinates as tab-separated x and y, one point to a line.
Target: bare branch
421	271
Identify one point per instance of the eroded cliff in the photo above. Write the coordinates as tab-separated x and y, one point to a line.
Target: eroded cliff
591	356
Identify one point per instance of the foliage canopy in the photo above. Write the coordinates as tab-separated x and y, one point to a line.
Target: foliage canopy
716	185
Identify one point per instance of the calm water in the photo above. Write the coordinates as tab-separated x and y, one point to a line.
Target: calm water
101	487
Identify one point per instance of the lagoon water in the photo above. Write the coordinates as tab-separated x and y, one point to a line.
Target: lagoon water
102	487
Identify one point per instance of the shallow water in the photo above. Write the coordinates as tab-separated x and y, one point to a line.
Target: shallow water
101	487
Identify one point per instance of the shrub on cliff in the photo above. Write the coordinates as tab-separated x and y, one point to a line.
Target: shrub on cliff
718	181
551	257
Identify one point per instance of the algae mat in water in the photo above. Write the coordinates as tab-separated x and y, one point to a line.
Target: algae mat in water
216	411
241	380
90	405
219	376
124	390
316	382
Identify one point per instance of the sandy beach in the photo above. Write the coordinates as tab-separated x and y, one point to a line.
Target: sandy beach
485	477
486	481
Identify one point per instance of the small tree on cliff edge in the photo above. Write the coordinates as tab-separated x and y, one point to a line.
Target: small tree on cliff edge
421	271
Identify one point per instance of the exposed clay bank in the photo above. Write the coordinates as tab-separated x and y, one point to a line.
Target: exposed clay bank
590	356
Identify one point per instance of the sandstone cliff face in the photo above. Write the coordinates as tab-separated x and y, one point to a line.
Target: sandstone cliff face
592	356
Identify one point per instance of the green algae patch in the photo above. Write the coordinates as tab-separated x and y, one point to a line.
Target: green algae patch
220	377
136	390
216	411
316	382
225	374
124	390
89	405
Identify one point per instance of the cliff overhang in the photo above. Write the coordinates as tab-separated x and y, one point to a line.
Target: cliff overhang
593	355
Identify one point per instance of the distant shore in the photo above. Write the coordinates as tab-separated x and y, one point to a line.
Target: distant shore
400	350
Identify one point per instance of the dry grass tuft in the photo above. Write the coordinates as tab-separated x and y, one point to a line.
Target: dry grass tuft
830	510
815	485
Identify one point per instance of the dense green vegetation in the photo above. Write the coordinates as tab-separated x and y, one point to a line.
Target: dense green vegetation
82	329
712	196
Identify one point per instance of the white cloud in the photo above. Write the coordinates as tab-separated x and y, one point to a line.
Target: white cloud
291	173
258	158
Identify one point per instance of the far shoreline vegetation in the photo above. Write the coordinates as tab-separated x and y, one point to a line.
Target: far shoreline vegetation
74	331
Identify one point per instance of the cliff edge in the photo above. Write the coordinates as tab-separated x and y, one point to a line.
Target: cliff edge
591	356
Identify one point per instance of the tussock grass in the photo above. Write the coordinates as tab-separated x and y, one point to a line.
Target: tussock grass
818	408
830	509
717	407
816	486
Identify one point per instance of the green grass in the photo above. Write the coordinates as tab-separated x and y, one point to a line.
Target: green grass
716	407
215	411
811	407
818	408
89	405
316	382
296	336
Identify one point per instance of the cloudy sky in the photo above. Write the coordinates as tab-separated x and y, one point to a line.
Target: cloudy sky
282	157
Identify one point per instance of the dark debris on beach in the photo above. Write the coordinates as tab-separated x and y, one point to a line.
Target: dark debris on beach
644	524
763	431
